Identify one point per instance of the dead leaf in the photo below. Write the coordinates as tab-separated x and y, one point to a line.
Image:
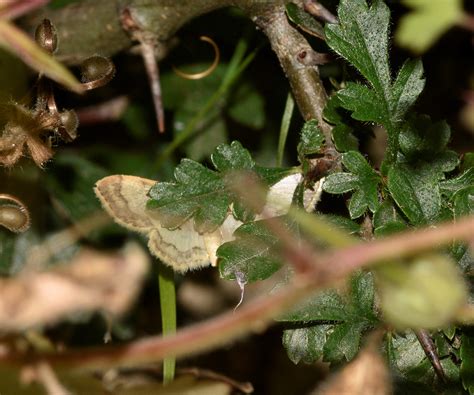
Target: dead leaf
367	374
92	281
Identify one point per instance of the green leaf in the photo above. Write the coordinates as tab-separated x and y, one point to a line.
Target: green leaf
197	192
350	316
247	107
387	219
305	344
340	183
343	223
464	202
204	194
353	39
325	306
416	189
186	98
467	361
334	113
232	157
343	342
454	185
304	20
362	295
14	249
467	161
311	139
363	179
405	195
252	256
420	28
343	138
422	138
363	102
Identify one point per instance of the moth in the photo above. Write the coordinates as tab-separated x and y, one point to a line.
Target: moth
124	197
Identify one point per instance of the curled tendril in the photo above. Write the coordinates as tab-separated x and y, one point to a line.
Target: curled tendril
14	215
96	72
208	71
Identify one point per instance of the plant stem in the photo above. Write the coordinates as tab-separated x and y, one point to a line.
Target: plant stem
285	126
236	66
168	315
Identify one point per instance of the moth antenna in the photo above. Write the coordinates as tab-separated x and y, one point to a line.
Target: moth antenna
208	71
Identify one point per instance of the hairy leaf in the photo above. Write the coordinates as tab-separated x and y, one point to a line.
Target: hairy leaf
305	344
361	37
350	315
304	20
467	364
415	187
200	192
252	256
311	139
362	178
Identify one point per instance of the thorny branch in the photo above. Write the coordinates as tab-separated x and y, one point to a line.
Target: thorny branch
81	23
255	317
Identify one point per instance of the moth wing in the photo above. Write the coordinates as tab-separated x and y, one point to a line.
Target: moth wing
124	198
221	235
183	249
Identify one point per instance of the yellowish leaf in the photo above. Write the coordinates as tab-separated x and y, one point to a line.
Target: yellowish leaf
428	20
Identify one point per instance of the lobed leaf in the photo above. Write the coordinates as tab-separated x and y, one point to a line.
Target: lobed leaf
311	139
361	37
349	316
252	256
363	179
305	344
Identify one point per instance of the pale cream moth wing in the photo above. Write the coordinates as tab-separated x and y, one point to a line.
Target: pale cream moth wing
221	235
183	248
125	197
280	195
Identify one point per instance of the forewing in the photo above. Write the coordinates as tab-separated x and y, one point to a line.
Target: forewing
124	198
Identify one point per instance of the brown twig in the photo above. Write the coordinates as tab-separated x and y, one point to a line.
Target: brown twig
110	110
316	9
245	387
431	353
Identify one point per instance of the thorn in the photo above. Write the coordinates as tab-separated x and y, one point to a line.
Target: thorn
147	50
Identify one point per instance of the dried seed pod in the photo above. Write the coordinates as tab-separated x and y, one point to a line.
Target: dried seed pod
46	36
14	215
96	71
70	122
